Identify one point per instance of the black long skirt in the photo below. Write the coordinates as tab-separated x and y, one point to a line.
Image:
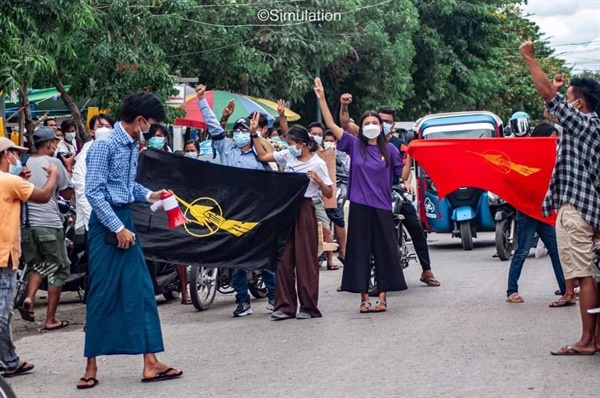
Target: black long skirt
371	232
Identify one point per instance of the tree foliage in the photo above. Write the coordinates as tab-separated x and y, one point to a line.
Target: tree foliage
420	56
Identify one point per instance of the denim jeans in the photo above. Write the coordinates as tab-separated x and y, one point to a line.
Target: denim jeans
239	280
526	229
8	356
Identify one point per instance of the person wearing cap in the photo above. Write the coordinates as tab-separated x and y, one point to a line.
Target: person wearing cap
48	261
13	191
238	153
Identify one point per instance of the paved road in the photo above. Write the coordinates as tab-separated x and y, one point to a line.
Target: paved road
459	340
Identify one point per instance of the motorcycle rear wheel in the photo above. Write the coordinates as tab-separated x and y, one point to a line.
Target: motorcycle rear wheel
503	247
203	287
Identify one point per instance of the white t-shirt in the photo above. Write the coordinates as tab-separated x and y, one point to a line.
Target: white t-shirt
291	164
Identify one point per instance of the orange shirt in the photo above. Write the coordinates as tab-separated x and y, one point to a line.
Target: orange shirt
13	190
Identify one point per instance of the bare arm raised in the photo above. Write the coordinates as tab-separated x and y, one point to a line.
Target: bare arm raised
320	93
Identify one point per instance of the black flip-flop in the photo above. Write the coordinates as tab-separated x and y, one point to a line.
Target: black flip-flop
162	376
86	386
26	314
63	324
342	260
22	369
431	282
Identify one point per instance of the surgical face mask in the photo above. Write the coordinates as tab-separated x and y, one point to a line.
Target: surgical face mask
241	139
294	151
193	155
329	145
156	142
15	169
371	131
387	128
142	132
101	132
69	136
318	139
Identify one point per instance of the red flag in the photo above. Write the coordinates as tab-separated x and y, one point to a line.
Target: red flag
518	169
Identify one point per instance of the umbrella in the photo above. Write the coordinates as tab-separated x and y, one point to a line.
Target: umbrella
272	106
217	100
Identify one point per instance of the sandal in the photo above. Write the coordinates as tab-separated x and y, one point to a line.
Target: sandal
568	350
431	282
562	303
87	381
63	324
27	315
515	298
186	302
332	267
23	368
342	260
365	307
380	306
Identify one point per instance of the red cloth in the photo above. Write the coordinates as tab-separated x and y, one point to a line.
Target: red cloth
518	169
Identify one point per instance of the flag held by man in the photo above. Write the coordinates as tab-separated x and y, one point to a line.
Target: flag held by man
237	218
518	171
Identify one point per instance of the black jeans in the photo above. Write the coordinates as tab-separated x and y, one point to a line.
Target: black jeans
415	230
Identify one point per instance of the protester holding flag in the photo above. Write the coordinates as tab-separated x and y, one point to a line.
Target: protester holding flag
299	258
122	318
156	138
374	162
238	153
574	189
527	227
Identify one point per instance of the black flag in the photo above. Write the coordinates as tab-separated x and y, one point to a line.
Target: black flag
237	218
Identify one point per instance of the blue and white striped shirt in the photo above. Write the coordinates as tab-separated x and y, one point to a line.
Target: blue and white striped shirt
110	180
230	154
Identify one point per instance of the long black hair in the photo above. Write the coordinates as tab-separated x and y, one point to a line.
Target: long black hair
381	140
300	134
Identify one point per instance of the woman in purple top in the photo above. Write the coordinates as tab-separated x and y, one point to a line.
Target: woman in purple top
373	163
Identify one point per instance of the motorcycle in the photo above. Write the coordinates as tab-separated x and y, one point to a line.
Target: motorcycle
205	282
506	226
5	390
399	197
76	251
165	279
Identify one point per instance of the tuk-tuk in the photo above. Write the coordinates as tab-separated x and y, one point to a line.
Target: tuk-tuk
465	211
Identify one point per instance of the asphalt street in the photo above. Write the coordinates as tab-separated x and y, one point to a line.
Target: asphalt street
458	340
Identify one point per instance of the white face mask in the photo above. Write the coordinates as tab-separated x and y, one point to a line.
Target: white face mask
371	131
101	132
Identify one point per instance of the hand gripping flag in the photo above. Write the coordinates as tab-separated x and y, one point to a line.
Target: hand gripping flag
236	218
518	170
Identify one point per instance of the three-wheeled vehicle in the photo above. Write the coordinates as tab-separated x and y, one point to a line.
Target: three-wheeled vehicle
465	211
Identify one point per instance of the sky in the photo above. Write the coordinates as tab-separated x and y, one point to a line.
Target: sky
566	23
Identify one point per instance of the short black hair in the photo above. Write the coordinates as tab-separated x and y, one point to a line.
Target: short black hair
48	120
587	89
316	124
192	142
388	110
300	134
143	104
154	128
262	120
543	130
329	133
67	124
101	116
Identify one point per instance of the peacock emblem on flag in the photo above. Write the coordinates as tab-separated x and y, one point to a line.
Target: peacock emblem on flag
501	162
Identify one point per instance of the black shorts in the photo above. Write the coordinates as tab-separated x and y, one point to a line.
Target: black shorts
336	216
